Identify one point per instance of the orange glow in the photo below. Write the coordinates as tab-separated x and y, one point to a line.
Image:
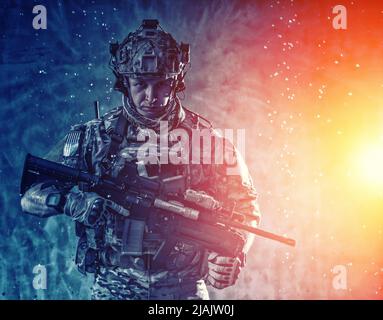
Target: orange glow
370	163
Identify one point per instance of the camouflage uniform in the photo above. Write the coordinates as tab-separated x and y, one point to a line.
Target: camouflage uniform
132	277
120	271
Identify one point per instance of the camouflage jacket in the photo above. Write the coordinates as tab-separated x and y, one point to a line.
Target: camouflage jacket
124	276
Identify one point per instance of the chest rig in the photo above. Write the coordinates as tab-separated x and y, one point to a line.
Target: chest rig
130	242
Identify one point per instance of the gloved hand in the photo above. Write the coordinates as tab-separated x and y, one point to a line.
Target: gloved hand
89	208
223	271
43	200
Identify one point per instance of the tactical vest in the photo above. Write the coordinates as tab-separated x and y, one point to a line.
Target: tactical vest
133	242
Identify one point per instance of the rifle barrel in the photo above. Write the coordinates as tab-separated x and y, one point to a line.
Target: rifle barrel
262	233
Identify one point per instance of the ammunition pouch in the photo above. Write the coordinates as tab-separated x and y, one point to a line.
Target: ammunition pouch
86	257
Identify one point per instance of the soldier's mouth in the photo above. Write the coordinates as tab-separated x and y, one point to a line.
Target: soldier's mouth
153	109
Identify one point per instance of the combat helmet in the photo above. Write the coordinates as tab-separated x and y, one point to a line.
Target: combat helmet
149	52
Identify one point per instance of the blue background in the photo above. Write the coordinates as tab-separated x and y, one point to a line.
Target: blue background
49	80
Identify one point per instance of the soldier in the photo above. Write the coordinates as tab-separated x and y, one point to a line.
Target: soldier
150	68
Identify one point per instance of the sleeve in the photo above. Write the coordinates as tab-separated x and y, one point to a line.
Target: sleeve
56	153
46	198
232	185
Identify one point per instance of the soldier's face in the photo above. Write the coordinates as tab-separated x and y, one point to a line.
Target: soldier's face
150	95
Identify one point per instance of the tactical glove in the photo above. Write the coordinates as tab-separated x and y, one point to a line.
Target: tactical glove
223	271
89	208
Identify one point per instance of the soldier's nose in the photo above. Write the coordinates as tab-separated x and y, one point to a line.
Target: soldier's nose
150	95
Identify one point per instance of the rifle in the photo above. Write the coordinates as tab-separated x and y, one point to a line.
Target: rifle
197	216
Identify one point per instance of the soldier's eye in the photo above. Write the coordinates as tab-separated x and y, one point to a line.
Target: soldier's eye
138	83
165	84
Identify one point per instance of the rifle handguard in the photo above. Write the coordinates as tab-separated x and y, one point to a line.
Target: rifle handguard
202	199
177	208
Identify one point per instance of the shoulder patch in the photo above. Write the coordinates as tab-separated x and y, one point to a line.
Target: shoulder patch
73	142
